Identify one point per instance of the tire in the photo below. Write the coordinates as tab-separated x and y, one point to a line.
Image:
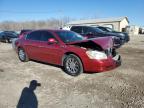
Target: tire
8	40
73	65
22	55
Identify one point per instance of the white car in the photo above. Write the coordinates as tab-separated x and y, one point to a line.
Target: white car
66	28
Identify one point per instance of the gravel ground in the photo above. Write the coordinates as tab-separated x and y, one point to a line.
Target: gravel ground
122	87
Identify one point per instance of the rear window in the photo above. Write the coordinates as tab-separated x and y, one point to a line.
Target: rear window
23	31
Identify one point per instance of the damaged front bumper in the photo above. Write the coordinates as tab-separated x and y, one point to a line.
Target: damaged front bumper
104	65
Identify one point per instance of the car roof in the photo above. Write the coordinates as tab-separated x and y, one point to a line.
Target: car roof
51	30
82	26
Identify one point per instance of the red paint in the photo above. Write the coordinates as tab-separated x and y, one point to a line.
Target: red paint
54	53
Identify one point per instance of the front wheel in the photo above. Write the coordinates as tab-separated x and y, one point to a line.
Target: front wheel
22	55
73	65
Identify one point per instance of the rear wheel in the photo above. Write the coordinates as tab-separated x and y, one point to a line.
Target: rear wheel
73	65
22	55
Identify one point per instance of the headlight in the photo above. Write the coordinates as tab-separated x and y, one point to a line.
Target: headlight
96	55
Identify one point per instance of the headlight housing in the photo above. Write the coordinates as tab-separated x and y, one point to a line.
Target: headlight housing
96	55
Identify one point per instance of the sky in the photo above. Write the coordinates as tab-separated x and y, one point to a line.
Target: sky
26	10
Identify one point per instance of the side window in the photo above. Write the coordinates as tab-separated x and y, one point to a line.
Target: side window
46	35
87	30
36	35
77	29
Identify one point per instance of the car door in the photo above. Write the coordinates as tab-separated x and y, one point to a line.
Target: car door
50	53
32	45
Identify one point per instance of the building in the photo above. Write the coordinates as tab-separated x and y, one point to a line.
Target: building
133	29
143	30
118	24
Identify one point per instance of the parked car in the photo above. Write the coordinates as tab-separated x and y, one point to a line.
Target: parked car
69	50
93	32
19	36
123	35
8	36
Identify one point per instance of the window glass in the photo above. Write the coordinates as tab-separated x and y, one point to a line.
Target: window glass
77	29
86	30
46	35
36	35
67	36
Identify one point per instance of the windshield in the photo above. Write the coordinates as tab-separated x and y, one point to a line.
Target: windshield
105	29
109	29
96	29
68	36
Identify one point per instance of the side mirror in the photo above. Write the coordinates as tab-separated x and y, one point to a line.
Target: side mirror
52	41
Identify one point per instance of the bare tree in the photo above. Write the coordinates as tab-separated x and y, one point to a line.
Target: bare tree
43	24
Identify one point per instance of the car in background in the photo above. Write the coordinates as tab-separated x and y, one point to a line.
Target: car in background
69	50
93	32
123	35
8	36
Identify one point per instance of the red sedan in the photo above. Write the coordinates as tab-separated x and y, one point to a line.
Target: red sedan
68	49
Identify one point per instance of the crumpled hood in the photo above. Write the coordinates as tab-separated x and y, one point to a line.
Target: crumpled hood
103	42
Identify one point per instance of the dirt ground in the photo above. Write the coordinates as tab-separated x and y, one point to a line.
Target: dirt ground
122	87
